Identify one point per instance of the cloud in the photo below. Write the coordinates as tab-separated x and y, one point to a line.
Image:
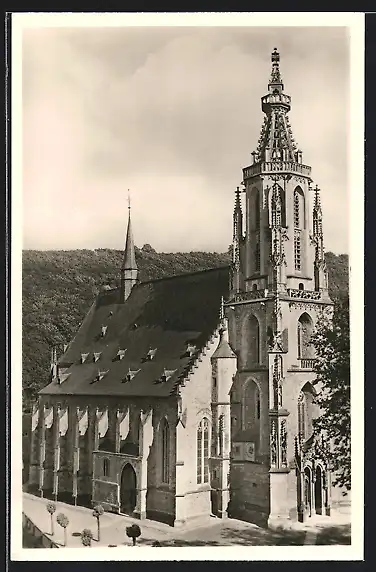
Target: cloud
173	114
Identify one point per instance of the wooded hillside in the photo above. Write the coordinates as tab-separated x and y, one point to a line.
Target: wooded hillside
59	287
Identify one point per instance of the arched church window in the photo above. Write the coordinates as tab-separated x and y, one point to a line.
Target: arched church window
299	224
257	257
297	252
296	210
254	209
257	209
277	206
106	467
165	433
302	416
258	404
220	434
251	406
253	340
299	209
304	333
301	286
203	452
305	412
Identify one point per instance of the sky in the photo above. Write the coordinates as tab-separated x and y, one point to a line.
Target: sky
173	114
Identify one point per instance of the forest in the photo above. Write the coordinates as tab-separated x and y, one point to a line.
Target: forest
58	287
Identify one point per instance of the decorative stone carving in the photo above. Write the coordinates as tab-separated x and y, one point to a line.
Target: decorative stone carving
273	443
304	294
283	444
302	305
277	382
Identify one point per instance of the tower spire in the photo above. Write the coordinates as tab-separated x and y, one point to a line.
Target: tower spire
129	268
276	142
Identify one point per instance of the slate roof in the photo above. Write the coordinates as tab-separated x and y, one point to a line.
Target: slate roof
165	314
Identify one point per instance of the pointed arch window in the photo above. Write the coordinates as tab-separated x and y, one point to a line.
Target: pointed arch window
257	209
277	206
257	256
203	452
297	252
257	404
304	333
220	434
296	210
165	435
254	340
302	416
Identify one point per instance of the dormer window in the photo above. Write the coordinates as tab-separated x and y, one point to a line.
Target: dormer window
121	354
151	353
62	377
96	356
167	373
100	375
103	331
130	375
190	350
84	357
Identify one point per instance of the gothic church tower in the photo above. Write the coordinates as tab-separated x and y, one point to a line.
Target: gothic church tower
278	291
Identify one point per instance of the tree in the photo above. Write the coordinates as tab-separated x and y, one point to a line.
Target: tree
97	513
332	367
51	508
63	520
86	537
133	532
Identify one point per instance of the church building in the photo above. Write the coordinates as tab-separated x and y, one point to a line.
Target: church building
191	396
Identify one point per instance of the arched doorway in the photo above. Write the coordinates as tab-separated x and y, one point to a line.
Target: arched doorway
128	492
307	491
318	490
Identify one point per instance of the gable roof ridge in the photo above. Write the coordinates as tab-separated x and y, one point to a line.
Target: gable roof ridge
185	274
188	371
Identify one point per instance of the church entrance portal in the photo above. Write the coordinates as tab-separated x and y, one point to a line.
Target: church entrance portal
128	492
318	490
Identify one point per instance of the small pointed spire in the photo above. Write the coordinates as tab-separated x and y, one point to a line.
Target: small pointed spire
129	260
238	206
317	198
222	310
129	269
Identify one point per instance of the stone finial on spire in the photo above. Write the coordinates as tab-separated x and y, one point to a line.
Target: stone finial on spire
275	77
129	268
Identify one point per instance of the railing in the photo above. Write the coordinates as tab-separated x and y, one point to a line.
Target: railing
304	294
275	166
307	363
276	98
251	295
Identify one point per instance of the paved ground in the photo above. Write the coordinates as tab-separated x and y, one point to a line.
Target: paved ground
212	532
